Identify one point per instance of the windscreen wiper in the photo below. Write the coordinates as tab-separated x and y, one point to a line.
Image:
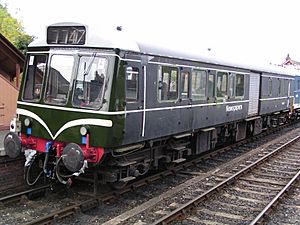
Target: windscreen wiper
87	70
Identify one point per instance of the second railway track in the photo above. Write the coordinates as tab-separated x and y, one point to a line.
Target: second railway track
249	194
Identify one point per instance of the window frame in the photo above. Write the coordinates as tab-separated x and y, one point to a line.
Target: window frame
298	84
160	81
270	87
48	77
226	85
231	85
280	86
75	75
43	80
235	93
211	73
188	72
200	71
138	72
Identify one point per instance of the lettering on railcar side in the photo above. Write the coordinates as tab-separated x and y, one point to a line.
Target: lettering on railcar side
234	108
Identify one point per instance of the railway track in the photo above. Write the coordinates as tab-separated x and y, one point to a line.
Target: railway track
287	212
6	159
30	193
89	203
264	182
178	204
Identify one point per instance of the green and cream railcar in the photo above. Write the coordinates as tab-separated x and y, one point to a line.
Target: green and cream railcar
119	107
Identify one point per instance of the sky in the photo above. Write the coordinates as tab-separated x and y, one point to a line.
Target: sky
249	30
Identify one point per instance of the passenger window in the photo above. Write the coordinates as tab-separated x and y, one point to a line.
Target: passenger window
132	74
222	80
184	84
167	83
211	86
284	87
270	86
231	92
279	87
199	84
239	88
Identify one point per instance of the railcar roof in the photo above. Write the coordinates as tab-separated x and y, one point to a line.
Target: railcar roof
114	39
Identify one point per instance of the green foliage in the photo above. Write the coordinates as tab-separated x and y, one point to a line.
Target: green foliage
23	41
13	30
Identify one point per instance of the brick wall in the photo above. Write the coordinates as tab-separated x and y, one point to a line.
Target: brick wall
11	173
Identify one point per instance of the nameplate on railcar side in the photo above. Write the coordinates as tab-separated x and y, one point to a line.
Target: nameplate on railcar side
233	108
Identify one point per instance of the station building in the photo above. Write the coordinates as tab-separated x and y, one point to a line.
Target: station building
289	62
11	66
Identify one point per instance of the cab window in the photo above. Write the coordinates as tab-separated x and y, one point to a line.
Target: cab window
90	81
59	79
36	67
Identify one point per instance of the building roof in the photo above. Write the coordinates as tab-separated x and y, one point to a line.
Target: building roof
290	61
9	57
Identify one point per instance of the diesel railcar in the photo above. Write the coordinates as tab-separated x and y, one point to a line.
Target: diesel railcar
118	107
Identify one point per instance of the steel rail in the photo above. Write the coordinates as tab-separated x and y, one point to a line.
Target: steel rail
56	215
267	209
13	196
6	159
192	204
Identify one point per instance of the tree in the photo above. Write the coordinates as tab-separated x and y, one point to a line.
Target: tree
13	30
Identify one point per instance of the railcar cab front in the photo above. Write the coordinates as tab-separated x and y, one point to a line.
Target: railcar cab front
64	99
65	76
